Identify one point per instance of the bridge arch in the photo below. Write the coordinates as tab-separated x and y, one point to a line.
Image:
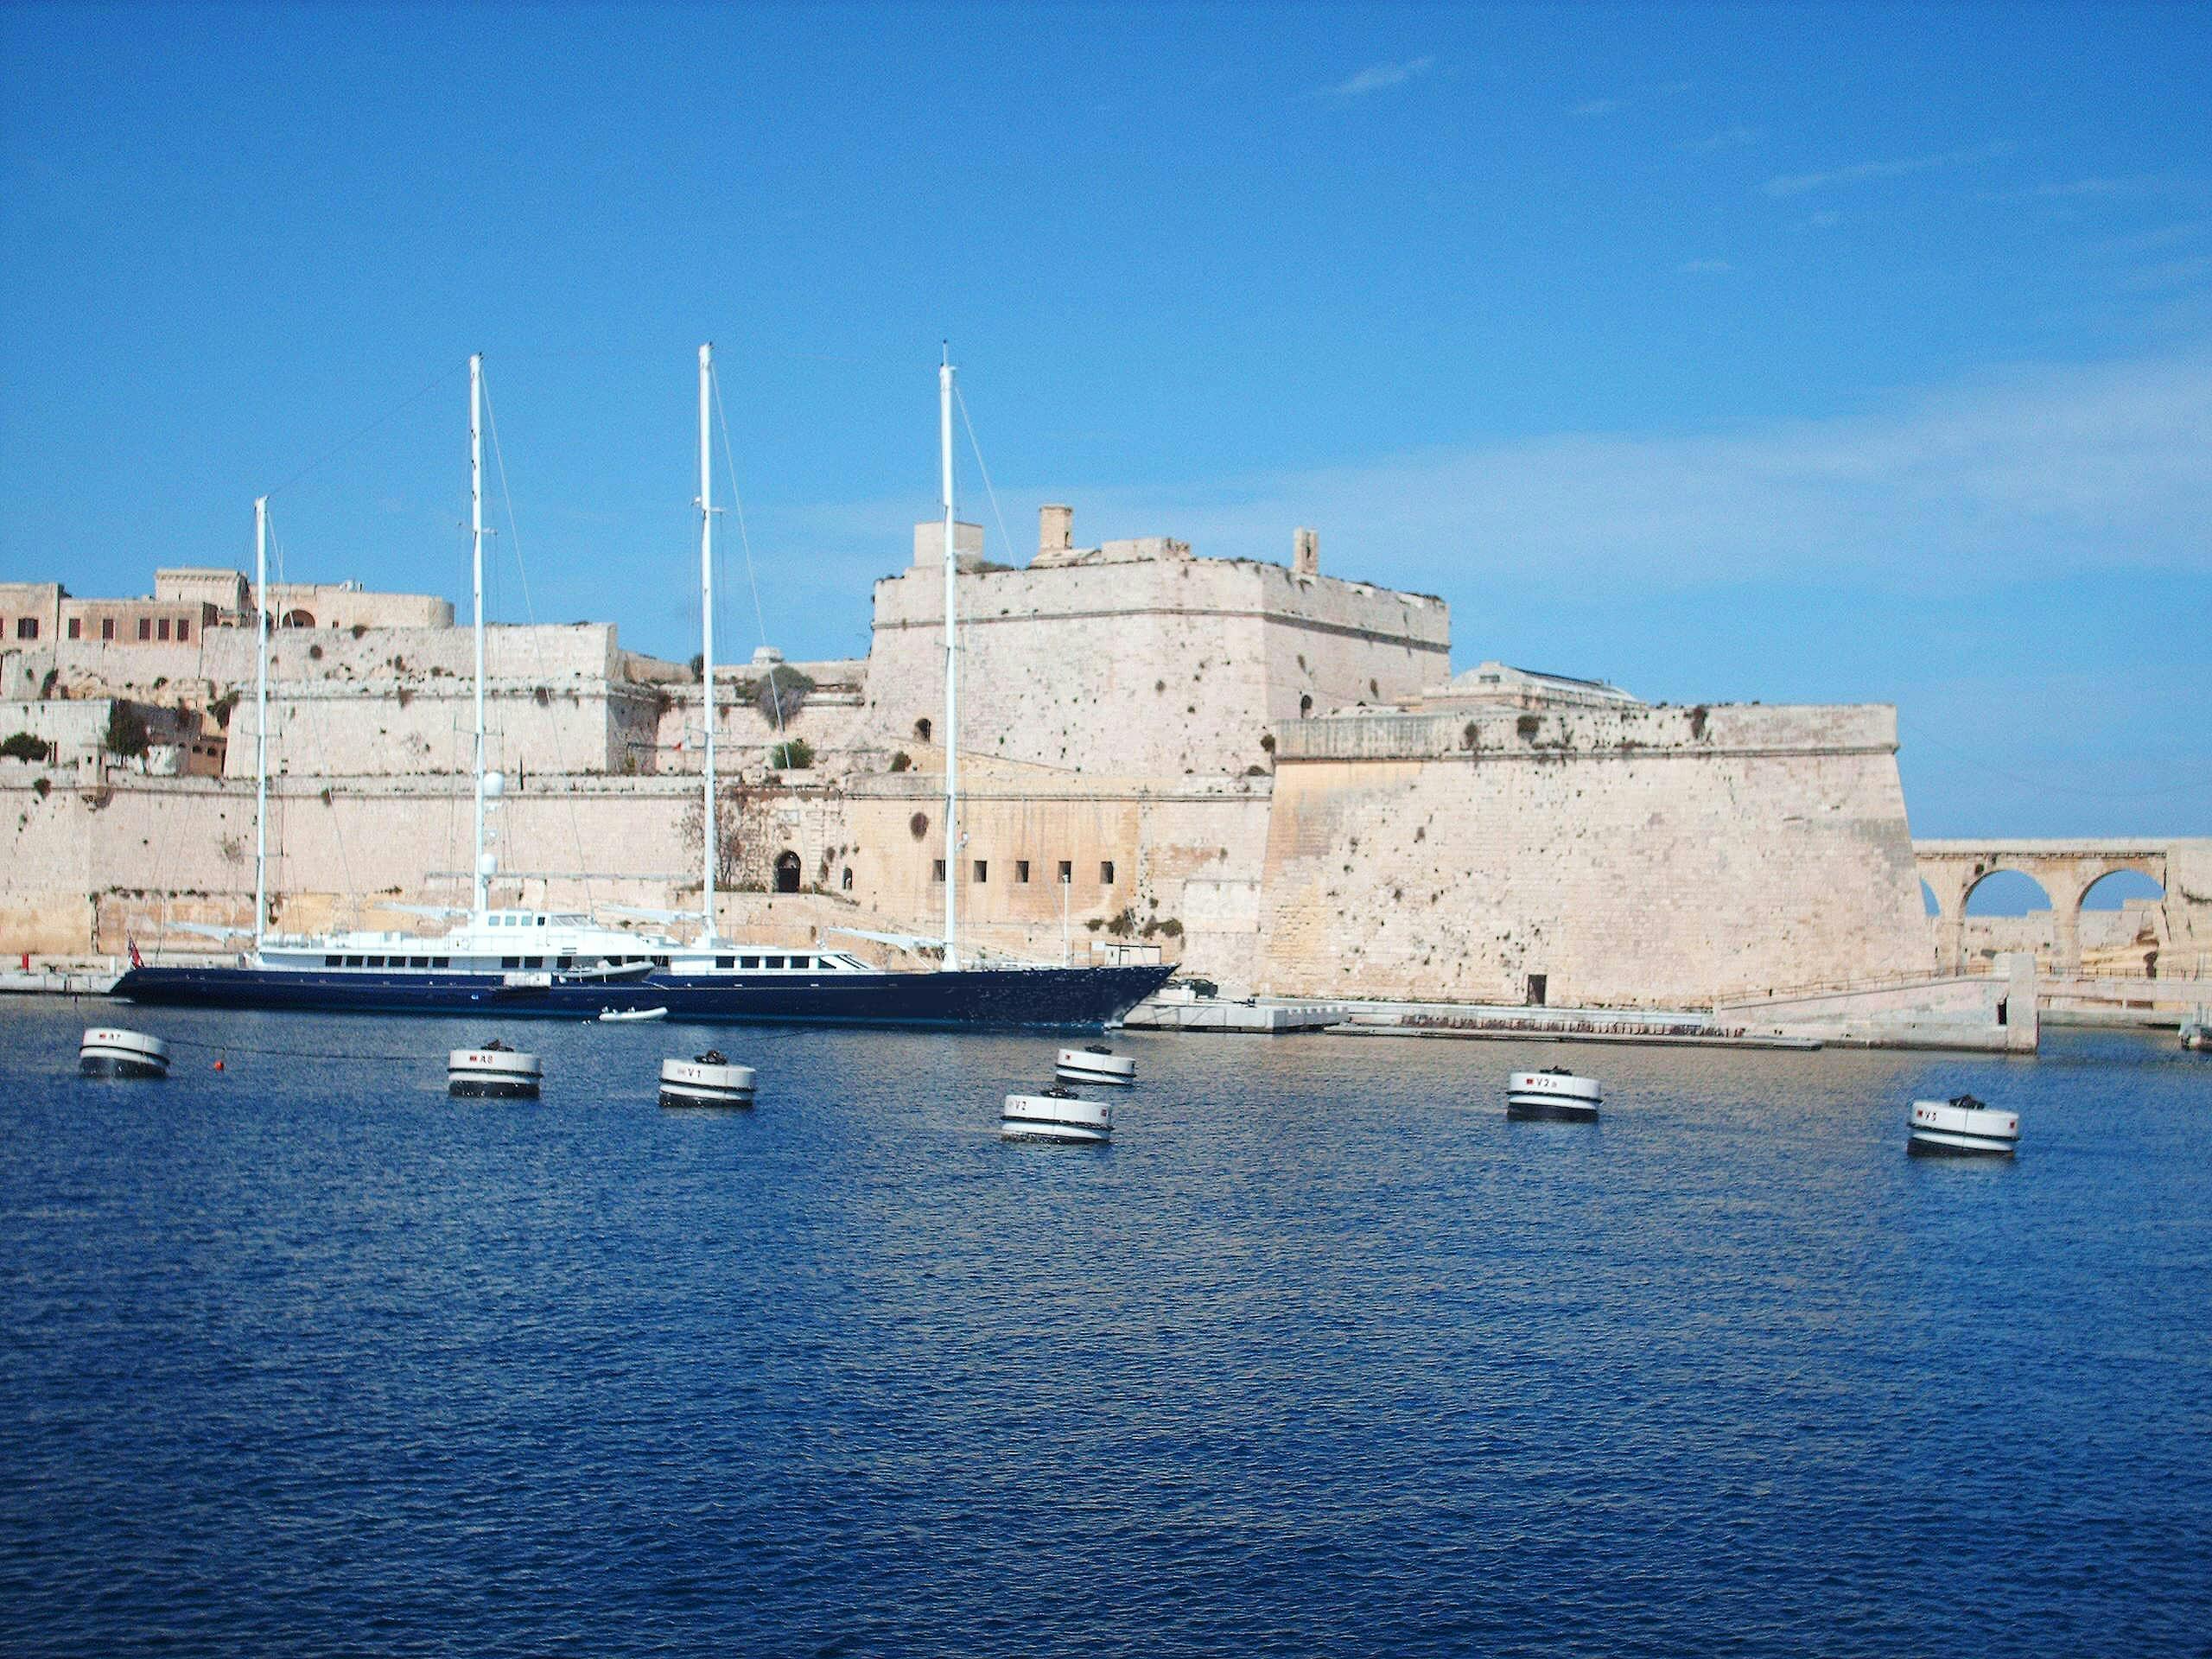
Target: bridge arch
2065	870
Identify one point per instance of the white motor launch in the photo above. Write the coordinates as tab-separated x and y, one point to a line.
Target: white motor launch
111	1051
493	1072
710	1079
1553	1092
1059	1115
1962	1127
1095	1063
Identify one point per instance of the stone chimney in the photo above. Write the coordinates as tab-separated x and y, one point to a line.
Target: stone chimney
1305	552
1055	534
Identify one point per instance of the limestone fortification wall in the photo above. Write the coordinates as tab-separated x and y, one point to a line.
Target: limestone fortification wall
1652	856
1151	668
139	854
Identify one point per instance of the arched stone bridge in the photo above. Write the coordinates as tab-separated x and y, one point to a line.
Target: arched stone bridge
2066	870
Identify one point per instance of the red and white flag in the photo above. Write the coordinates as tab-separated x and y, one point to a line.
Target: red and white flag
137	961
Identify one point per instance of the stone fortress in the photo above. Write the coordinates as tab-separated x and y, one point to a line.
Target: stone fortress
1266	773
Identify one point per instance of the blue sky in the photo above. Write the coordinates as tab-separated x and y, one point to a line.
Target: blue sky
1833	354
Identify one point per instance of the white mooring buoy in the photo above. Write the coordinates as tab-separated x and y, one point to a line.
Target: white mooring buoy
1095	1063
1056	1114
111	1051
1961	1127
493	1072
1554	1093
709	1079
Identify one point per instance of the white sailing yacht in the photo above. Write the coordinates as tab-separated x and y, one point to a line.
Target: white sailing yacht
550	963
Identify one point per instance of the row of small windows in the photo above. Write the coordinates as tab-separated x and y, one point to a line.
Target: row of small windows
149	628
534	965
979	872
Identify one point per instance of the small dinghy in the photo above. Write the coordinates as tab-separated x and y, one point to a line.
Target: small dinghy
111	1051
707	1080
1095	1063
495	1072
1961	1127
1059	1115
1554	1093
609	1016
2196	1032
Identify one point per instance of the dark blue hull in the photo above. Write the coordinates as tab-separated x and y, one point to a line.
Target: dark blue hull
1040	997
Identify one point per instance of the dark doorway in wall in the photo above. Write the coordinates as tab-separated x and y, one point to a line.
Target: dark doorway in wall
1539	988
786	872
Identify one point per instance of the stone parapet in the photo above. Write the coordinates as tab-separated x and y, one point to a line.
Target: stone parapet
1737	729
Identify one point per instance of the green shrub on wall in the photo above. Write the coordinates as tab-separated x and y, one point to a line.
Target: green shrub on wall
126	732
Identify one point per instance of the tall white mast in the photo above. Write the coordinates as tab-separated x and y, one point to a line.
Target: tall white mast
952	674
260	719
478	872
707	626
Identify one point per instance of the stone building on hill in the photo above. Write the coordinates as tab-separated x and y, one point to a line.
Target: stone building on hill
1263	771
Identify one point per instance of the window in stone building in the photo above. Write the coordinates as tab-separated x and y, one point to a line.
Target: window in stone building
1021	871
922	728
1067	869
1538	985
846	879
27	627
983	871
1105	872
162	628
145	627
183	631
76	627
937	869
107	627
1305	705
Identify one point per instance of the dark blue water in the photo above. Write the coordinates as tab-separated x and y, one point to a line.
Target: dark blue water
1323	1355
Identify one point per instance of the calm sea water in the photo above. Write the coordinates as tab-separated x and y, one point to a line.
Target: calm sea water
1323	1355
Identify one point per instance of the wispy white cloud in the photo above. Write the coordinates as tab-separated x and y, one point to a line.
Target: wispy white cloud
1597	106
1703	267
2039	474
2166	236
2046	471
2140	184
1794	184
1727	138
1376	77
2174	273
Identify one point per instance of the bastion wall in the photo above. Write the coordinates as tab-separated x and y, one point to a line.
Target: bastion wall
1658	856
1146	668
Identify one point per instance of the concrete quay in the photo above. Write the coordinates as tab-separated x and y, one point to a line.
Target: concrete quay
93	978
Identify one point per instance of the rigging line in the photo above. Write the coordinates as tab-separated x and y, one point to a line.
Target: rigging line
537	651
315	721
982	468
400	408
737	505
2069	789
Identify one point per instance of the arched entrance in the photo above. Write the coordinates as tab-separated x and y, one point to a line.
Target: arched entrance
297	620
2004	910
787	871
2115	936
